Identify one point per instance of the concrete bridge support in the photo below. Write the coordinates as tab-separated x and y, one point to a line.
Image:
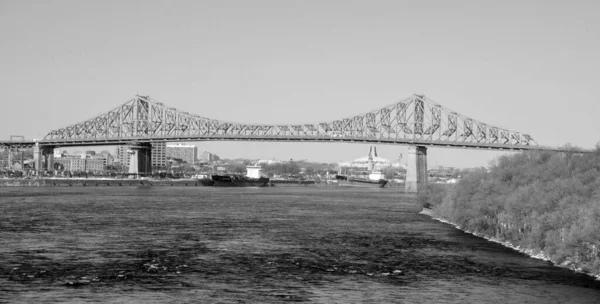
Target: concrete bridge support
43	157
416	173
140	159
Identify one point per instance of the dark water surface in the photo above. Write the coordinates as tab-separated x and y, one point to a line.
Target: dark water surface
265	245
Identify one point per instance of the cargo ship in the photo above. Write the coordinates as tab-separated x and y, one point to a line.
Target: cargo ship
374	180
234	180
253	178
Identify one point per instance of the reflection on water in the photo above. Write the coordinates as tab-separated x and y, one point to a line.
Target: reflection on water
267	245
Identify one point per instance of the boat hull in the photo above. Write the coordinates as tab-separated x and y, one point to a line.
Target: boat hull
367	183
207	182
292	183
238	181
343	180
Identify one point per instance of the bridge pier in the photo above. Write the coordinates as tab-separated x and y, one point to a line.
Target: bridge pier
43	157
140	159
416	173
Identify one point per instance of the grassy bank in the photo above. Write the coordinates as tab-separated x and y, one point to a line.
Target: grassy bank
547	203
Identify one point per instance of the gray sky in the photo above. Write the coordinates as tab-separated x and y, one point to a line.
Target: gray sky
528	66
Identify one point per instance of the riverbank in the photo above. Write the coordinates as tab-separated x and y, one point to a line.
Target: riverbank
544	203
541	255
97	182
118	182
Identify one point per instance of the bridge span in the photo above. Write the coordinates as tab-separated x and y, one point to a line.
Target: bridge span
416	121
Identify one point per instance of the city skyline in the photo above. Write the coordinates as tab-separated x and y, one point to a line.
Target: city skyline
303	62
389	156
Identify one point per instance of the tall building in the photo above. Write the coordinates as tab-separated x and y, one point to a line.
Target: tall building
121	156
159	155
186	153
208	157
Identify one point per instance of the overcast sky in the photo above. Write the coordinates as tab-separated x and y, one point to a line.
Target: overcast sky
528	66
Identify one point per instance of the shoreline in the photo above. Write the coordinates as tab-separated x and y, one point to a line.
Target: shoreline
95	182
529	252
145	182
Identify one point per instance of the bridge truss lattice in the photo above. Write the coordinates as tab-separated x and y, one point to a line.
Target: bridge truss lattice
414	120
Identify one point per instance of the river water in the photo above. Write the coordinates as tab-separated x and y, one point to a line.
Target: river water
256	245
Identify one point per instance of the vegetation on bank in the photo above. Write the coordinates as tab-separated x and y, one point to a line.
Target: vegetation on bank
542	201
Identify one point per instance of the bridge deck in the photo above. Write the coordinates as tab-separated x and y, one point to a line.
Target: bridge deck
322	139
16	144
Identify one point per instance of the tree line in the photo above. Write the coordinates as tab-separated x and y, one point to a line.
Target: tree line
542	201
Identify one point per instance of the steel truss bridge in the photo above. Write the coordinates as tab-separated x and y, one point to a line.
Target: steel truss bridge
416	120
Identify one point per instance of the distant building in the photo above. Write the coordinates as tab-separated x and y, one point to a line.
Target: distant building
376	161
159	155
208	157
79	162
109	158
66	155
186	153
268	161
122	157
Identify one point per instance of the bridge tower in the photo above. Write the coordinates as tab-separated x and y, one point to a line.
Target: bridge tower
416	173
140	159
